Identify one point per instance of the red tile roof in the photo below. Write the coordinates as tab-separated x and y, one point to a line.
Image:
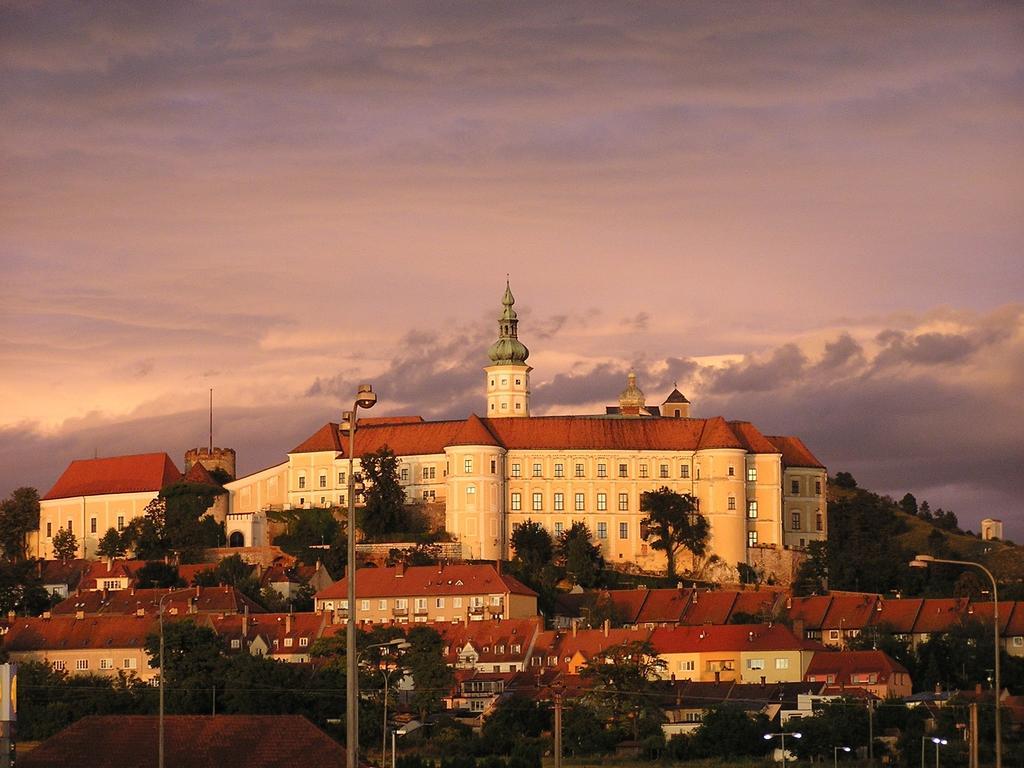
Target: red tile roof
487	637
273	627
751	437
709	608
1015	626
728	637
115	474
129	601
940	615
900	615
627	604
589	643
983	614
762	602
65	633
473	432
842	664
199	475
222	741
794	452
810	610
69	572
718	434
664	606
425	580
850	612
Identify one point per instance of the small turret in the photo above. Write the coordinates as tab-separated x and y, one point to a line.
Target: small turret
676	405
508	375
632	401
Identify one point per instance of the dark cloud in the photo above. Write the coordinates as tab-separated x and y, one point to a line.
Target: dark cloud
840	354
637	322
786	364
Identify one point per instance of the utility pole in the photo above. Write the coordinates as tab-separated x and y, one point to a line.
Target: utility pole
557	690
871	732
973	746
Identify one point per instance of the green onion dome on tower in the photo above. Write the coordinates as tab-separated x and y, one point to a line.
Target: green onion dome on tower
508	349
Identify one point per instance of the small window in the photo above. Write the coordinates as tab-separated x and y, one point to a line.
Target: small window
288	642
751	474
106	663
404	475
751	538
684	471
623	502
755	663
439	602
580	505
558	529
516	470
538	502
494	466
120	522
517	501
382	604
456	602
643	470
302	481
782	663
129	663
602	502
579	470
752	509
732	502
794	487
536	470
49	530
236	643
59	665
663	471
623	470
602	470
323	481
364	605
602	530
795	520
623	530
732	471
817	487
559	502
467	466
341	478
81	664
471	494
92	529
303	642
819	522
559	470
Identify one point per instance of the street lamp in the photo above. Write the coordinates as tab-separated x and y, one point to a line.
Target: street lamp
398	644
937	742
365	398
923	561
163	672
782	737
835	755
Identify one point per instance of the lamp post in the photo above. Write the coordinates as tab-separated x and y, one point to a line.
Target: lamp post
398	645
835	755
923	561
782	737
163	672
937	742
365	398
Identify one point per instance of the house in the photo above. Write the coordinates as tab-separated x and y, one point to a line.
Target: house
220	741
874	671
282	636
132	601
570	651
431	593
685	702
748	653
61	577
494	645
478	692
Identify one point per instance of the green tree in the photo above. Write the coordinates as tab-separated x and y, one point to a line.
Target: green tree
844	480
727	731
420	554
192	655
620	680
841	722
21	590
19	514
158	574
65	545
234	572
532	545
111	544
812	574
909	504
186	530
673	524
432	677
384	511
579	556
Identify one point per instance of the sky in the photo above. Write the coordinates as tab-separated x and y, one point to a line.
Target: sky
806	214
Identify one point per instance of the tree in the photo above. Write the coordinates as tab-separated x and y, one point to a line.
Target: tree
579	556
728	731
384	511
673	523
432	677
19	514
65	545
111	544
844	480
909	504
192	654
234	572
187	531
621	678
532	545
158	574
812	575
21	590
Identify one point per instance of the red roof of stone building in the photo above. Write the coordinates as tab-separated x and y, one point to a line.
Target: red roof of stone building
199	475
843	664
115	474
410	437
940	614
221	741
898	614
708	607
274	628
810	610
848	612
983	614
69	572
664	606
589	643
111	569
1015	625
794	452
493	640
729	637
182	601
762	602
65	633
427	580
627	604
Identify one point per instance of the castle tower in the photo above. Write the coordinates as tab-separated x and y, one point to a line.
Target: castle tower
212	458
508	376
676	405
632	401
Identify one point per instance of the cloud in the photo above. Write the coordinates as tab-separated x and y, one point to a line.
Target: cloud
785	364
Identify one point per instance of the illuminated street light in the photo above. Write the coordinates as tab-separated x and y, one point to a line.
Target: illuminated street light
782	737
835	755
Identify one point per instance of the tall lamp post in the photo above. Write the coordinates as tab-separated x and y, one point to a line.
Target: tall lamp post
923	561
782	737
835	755
163	672
365	398
937	742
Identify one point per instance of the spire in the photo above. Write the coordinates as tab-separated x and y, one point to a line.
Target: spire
508	350
632	398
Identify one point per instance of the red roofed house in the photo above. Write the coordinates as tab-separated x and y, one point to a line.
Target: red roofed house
281	636
569	651
874	671
497	471
431	593
490	646
94	495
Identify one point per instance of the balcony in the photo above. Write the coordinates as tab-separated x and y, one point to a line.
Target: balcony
496	608
476	610
399	611
420	612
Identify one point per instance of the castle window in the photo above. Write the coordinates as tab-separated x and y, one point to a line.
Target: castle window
623	470
684	471
538	502
751	538
559	470
663	470
517	501
494	466
302	481
404	475
602	470
429	495
558	529
602	530
516	470
623	530
794	487
795	520
817	487
120	522
579	470
536	470
471	494
580	502
519	381
623	502
467	465
341	499
732	502
70	526
819	522
732	471
49	530
323	481
504	406
559	502
751	474
602	502
752	509
92	525
643	470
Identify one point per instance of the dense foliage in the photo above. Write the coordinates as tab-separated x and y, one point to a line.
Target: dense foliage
673	524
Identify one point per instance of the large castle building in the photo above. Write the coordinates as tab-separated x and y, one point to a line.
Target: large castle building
495	471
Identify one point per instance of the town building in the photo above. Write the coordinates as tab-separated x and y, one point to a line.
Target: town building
872	671
762	494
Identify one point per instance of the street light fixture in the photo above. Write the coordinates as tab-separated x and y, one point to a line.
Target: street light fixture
782	737
937	742
163	672
365	398
923	561
398	644
835	755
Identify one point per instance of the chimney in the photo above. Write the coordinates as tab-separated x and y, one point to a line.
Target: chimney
245	625
718	676
288	624
764	681
11	615
977	688
607	626
574	627
79	614
399	570
798	628
46	615
197	590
